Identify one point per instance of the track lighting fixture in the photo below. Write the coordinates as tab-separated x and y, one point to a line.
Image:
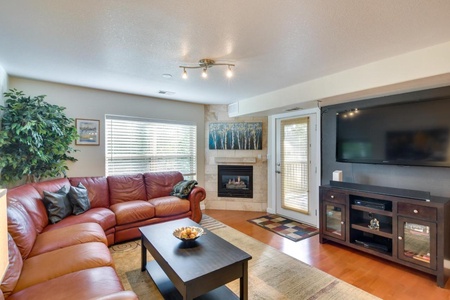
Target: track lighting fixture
205	64
229	72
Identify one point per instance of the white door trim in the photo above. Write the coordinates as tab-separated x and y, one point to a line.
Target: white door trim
271	158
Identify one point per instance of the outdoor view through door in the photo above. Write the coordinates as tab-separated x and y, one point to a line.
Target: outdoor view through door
294	163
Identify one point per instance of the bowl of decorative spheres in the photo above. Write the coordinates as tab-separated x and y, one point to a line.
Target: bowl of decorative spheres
188	234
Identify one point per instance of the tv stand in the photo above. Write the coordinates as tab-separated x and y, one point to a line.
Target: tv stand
413	194
404	226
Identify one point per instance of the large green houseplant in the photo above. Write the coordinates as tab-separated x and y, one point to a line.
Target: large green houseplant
35	138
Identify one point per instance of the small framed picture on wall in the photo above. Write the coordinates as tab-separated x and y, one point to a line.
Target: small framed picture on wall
88	132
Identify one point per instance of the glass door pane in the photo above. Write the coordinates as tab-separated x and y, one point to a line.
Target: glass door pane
334	220
295	164
417	241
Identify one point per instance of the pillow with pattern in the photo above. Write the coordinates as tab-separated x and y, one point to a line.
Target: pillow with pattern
183	188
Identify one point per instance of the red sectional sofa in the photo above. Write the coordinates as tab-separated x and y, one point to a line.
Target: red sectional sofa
70	259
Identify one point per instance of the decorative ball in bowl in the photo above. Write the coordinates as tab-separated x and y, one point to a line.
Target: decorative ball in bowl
188	234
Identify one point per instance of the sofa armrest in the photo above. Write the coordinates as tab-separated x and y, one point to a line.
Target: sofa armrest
197	195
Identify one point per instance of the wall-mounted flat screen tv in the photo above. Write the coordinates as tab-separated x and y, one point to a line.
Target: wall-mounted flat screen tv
412	134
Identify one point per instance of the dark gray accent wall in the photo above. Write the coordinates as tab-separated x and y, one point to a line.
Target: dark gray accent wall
435	180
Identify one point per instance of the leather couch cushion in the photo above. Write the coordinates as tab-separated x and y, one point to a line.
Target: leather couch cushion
63	261
169	206
68	236
14	268
124	295
102	216
31	200
124	188
84	284
98	191
132	211
52	185
21	227
57	204
160	184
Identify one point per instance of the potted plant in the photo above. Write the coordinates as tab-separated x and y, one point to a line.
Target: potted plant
35	138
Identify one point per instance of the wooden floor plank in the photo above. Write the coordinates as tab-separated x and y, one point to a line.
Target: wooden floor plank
379	277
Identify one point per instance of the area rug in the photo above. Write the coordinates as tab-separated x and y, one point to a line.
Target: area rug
272	274
293	230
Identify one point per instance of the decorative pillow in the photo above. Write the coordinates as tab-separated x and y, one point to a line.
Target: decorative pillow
78	196
58	205
183	188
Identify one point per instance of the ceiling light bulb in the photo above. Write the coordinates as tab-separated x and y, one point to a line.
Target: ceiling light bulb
204	74
184	76
229	72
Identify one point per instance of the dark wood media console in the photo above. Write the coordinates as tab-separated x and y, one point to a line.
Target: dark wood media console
407	227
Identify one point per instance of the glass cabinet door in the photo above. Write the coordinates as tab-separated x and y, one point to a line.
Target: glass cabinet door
334	220
416	242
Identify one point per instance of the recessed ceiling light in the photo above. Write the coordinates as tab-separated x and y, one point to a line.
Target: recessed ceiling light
294	108
168	76
166	92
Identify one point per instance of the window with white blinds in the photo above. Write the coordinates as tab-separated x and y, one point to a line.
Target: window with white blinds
138	145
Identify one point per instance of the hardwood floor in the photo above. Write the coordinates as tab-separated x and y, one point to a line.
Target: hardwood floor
379	277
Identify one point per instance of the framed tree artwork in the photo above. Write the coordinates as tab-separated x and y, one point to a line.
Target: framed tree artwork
235	136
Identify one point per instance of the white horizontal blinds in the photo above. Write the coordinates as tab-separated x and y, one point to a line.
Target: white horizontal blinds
295	164
135	145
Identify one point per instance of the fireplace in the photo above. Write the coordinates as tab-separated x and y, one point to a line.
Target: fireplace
235	181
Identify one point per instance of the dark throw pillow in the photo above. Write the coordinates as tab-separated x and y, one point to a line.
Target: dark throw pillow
78	196
183	188
57	204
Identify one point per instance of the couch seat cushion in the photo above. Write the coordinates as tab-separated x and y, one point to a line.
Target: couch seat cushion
63	261
170	206
132	211
102	216
68	236
84	284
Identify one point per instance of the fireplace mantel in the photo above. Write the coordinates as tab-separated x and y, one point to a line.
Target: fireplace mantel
236	160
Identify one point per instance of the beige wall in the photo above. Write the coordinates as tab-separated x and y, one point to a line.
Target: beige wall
94	104
3	84
219	113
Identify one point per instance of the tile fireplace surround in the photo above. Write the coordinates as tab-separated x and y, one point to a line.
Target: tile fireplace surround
255	158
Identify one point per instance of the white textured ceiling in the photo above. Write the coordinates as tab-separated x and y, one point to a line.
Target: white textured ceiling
127	46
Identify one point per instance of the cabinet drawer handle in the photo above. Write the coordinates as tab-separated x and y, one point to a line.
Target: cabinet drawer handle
342	222
400	238
416	211
332	196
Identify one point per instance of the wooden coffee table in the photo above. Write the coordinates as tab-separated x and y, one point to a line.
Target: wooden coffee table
199	270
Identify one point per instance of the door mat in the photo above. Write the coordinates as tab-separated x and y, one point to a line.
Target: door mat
293	230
